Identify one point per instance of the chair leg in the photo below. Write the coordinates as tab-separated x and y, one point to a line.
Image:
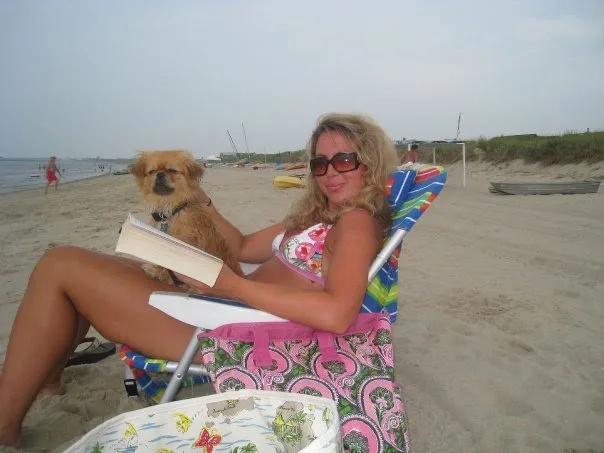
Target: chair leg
130	383
182	368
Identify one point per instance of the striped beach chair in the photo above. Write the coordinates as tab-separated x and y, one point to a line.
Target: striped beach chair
410	192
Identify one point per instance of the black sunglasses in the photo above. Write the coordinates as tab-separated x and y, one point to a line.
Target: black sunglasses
341	162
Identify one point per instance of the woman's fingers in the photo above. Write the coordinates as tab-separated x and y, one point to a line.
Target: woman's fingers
223	282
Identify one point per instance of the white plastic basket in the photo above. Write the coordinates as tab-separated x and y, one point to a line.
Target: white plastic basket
241	422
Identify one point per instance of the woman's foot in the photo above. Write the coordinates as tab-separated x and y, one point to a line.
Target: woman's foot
50	389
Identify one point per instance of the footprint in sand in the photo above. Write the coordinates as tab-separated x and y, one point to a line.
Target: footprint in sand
8	271
510	406
520	347
499	310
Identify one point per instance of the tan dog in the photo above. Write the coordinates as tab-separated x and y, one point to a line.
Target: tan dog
169	185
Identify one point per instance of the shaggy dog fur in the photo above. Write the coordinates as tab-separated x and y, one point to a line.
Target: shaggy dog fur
169	186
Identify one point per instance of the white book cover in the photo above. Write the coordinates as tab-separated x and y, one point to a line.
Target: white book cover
154	246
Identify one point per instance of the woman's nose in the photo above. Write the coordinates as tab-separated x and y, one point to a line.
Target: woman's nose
331	171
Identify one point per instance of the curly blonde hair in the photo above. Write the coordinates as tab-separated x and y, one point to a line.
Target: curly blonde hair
374	149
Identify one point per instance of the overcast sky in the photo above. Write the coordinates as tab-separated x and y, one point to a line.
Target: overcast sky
88	78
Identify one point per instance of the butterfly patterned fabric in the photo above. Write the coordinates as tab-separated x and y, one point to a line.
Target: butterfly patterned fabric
355	369
235	422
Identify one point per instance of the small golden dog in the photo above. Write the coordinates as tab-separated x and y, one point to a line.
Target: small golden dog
169	186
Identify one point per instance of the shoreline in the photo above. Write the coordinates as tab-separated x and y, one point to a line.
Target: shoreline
61	184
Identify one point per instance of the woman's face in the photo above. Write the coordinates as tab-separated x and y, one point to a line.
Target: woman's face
338	187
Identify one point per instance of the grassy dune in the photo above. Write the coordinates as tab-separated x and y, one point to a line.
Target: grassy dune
568	148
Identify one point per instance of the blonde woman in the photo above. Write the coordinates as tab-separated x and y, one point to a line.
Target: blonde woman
317	276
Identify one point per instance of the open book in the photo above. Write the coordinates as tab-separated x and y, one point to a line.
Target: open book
154	246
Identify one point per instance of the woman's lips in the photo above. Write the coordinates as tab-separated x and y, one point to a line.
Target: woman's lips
334	187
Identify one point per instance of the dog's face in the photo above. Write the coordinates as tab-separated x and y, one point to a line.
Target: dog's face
166	178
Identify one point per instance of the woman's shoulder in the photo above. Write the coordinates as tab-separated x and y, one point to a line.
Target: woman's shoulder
356	215
357	220
355	228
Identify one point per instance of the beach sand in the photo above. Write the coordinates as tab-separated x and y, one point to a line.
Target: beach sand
499	343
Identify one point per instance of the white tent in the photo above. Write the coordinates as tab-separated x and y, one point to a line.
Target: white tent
212	158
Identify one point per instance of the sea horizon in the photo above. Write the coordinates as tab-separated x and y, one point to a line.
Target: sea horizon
45	158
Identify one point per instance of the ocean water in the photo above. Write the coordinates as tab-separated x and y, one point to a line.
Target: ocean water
19	174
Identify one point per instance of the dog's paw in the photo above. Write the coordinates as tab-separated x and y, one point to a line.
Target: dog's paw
150	269
158	273
190	289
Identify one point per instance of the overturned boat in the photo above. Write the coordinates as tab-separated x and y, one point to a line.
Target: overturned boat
544	188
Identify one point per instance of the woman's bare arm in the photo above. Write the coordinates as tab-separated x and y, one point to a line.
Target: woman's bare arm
357	241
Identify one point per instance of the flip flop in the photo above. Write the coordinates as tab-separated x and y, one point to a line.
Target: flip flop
94	352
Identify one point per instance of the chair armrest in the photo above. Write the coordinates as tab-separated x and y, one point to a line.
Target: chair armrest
207	312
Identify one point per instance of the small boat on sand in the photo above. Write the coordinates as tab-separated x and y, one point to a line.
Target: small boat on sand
286	182
295	167
544	188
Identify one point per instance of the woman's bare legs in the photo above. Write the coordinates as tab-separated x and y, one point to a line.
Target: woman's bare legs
69	288
52	385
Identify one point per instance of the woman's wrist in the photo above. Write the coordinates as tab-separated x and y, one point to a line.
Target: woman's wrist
227	283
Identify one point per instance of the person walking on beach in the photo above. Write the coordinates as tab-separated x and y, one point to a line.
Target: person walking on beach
51	173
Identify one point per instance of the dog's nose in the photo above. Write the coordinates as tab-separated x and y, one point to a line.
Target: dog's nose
161	176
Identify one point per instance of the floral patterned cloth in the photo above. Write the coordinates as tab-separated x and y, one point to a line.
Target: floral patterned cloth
354	369
247	421
303	250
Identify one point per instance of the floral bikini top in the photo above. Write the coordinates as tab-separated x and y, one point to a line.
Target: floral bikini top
303	252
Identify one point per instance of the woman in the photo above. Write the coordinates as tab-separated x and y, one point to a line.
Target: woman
51	173
343	215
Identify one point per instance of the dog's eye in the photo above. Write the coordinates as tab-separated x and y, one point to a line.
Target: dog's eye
172	171
150	172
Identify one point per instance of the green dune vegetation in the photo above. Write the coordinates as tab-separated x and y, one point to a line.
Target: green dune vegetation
568	148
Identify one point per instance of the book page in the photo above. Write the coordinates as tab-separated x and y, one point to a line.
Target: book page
154	246
148	228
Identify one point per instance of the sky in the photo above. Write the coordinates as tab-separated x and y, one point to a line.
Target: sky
86	78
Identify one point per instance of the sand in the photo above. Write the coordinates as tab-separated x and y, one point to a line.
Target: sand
500	338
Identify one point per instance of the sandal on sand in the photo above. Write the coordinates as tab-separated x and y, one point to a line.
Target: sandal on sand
94	352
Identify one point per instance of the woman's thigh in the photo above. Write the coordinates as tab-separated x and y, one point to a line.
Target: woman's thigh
112	293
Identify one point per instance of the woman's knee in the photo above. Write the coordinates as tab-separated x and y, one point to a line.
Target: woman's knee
59	254
57	259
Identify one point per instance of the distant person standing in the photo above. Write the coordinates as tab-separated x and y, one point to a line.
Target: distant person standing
411	156
51	173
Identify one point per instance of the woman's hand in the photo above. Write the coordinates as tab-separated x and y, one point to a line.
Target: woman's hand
226	279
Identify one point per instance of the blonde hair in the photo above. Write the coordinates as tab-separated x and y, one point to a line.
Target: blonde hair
374	149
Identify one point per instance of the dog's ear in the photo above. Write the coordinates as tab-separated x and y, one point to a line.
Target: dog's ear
137	168
193	169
